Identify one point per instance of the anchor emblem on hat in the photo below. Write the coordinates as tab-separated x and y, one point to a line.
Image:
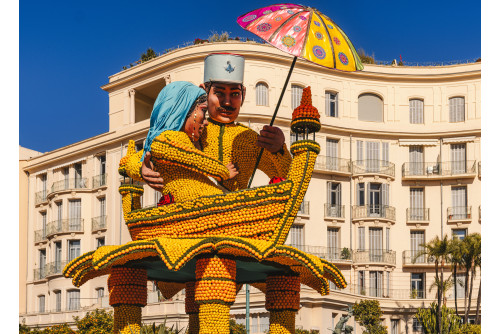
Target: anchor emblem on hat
229	68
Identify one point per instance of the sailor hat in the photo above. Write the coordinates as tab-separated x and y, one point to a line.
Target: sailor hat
224	67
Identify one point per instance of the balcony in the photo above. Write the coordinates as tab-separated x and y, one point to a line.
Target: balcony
99	223
374	256
417	216
69	184
410	259
436	170
333	211
40	236
335	255
332	164
99	181
387	293
373	212
459	214
40	197
62	226
373	167
55	268
40	273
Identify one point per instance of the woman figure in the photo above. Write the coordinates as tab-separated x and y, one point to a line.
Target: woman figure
176	124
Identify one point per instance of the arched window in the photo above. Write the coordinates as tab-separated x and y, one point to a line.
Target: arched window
416	111
457	109
262	94
370	108
331	108
296	95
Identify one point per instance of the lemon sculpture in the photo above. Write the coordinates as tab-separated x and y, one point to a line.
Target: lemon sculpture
213	245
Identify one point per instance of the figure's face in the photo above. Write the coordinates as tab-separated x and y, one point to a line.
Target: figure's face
224	101
196	122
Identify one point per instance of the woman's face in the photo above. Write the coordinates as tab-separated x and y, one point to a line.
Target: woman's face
196	122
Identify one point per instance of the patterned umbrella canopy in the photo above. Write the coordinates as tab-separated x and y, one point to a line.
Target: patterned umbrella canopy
303	32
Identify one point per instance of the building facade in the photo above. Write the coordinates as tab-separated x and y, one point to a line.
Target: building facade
399	165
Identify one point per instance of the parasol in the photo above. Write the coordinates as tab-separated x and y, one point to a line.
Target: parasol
302	32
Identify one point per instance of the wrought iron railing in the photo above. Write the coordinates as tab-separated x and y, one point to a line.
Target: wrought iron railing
373	166
447	168
40	273
99	223
459	212
373	211
374	256
417	214
334	211
40	196
65	226
99	180
55	268
304	208
40	235
75	183
332	164
383	292
416	257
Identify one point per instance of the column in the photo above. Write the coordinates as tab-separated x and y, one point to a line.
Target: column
282	301
132	105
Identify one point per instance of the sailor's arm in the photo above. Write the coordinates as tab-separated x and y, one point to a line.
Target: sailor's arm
276	158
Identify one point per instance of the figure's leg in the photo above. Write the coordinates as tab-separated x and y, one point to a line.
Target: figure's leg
192	309
127	294
215	292
282	301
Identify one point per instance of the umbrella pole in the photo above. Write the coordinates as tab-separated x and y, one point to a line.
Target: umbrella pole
274	117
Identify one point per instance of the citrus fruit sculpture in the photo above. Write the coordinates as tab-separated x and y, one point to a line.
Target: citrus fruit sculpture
212	245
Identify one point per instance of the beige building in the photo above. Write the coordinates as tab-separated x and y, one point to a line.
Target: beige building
400	164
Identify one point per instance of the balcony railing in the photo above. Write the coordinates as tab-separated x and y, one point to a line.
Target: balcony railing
99	223
412	257
328	253
373	211
374	256
417	214
332	164
447	168
304	208
55	268
373	166
383	292
334	211
99	180
40	235
76	183
40	273
65	226
459	213
40	197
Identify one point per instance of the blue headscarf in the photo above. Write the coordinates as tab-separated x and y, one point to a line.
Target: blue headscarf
170	109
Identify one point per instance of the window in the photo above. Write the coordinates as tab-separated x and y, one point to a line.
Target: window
457	109
41	304
416	160
459	203
100	292
334	198
332	153
43	216
394	326
417	239
73	249
361	238
296	136
78	176
458	158
331	107
58	256
333	245
75	208
417	286
417	210
296	236
387	283
460	286
57	297
359	150
374	199
460	234
387	239
417	325
102	206
296	95
100	242
361	283
102	164
262	94
65	173
157	197
73	302
43	178
370	108
59	214
42	256
376	283
361	194
385	154
416	111
375	243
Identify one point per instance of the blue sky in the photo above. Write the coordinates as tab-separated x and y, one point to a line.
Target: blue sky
67	49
